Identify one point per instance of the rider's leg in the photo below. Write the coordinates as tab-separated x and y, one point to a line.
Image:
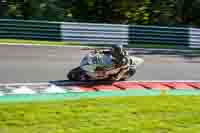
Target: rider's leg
121	73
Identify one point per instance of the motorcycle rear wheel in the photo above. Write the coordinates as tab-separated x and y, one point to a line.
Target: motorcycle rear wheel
75	74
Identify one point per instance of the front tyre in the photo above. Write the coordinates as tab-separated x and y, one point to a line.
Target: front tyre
128	74
131	72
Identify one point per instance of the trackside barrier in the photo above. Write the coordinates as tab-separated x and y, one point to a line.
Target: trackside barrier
93	33
83	33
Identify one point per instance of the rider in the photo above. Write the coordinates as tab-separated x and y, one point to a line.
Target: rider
120	62
117	57
119	54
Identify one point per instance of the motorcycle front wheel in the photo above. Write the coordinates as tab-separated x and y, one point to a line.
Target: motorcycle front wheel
129	74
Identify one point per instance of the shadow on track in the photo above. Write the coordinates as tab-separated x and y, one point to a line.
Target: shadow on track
90	82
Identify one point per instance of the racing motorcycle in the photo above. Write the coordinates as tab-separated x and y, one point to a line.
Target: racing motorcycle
96	64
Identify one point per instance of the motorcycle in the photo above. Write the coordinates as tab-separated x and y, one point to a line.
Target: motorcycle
97	64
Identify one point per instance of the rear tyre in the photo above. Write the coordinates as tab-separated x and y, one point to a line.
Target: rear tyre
75	74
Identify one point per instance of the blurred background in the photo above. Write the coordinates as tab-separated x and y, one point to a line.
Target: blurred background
165	33
145	12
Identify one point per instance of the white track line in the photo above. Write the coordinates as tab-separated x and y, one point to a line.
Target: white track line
24	84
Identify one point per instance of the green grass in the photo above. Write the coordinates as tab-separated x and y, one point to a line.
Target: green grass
36	42
162	46
160	114
41	42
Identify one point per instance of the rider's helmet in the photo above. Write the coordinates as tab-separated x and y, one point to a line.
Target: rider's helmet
117	50
119	55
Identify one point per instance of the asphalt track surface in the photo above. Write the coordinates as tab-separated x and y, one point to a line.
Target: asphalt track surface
43	64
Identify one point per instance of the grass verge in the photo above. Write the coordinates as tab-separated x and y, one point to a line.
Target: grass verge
160	114
36	42
46	43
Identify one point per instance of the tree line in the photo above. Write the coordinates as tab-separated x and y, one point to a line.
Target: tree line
145	12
